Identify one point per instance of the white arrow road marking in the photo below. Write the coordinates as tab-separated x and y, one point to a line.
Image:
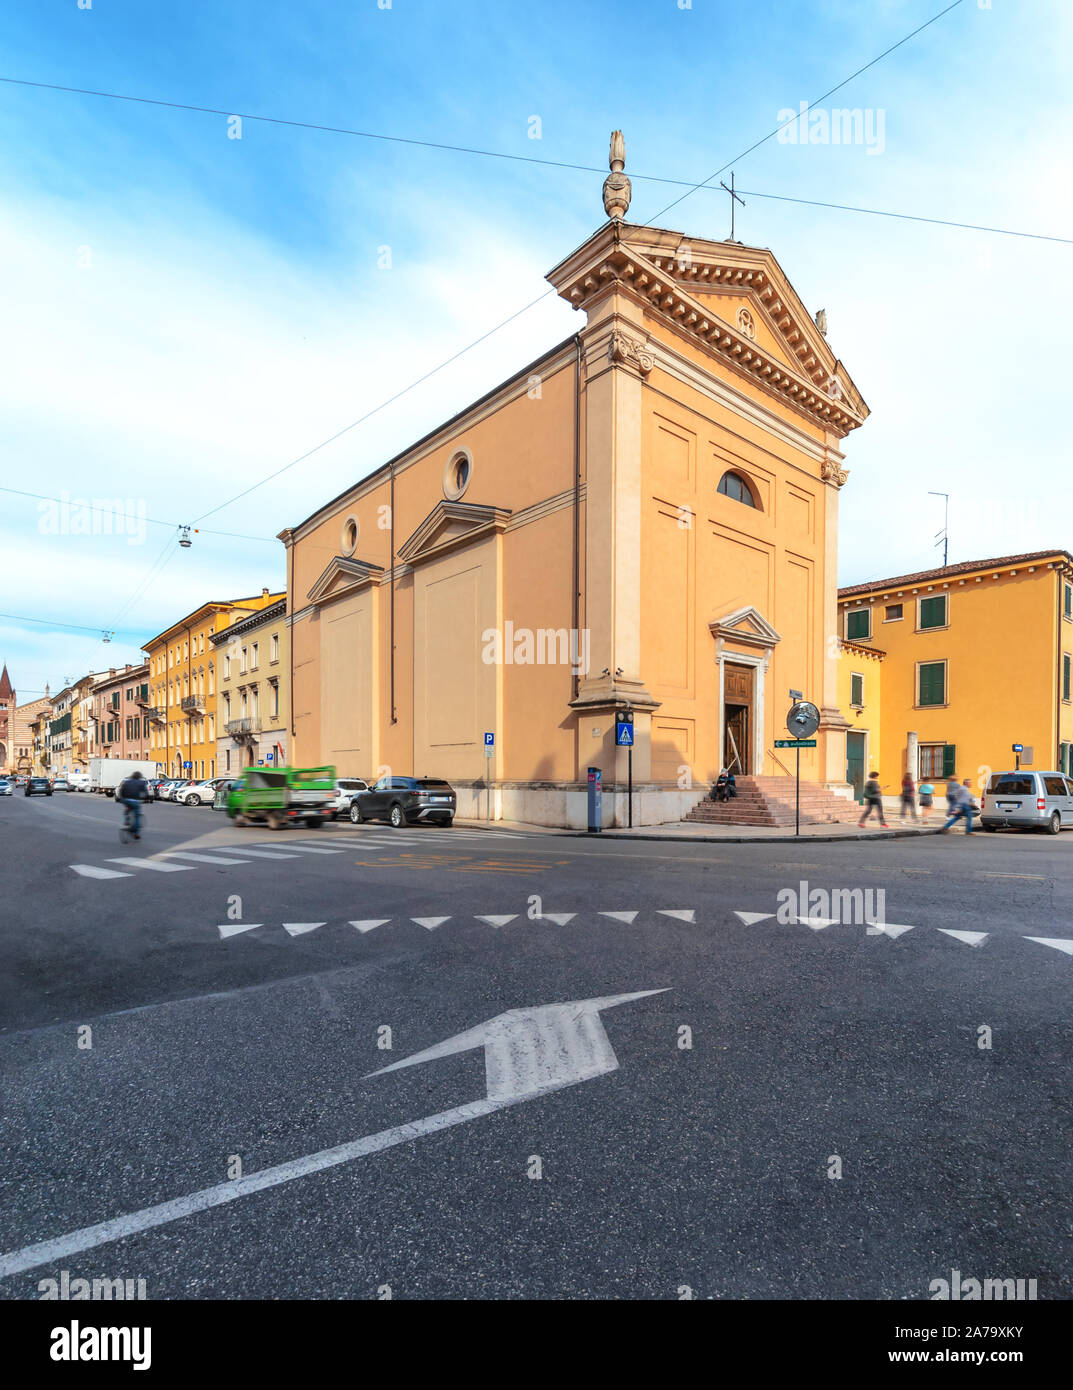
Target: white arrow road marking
227	929
970	938
500	921
751	918
368	923
559	918
91	871
157	864
202	858
683	914
528	1052
430	923
816	923
300	928
626	917
1060	943
891	929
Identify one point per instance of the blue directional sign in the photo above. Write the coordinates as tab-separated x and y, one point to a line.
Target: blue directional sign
188	765
1018	748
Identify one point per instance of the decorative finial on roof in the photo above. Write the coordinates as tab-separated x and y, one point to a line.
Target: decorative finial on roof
821	321
617	189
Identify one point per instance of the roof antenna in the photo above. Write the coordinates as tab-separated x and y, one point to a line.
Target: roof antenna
942	537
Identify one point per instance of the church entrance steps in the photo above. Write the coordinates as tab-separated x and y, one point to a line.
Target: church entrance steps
770	801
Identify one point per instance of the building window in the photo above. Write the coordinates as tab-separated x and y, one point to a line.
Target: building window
734	486
1067	601
858	624
932	612
1065	677
273	648
931	683
254	658
242	663
273	699
893	613
937	760
1065	758
348	540
856	691
457	474
227	756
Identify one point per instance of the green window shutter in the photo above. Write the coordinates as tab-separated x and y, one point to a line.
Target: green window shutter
949	759
1069	600
933	611
1065	678
932	683
856	690
857	624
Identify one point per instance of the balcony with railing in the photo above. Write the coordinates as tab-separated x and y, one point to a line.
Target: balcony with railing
243	728
193	704
157	713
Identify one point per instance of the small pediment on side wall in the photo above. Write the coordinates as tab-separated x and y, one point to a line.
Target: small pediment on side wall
451	524
341	575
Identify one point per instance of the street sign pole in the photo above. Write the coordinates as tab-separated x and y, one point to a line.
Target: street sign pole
797	796
629	784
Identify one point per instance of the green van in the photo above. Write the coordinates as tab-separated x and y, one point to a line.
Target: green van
282	796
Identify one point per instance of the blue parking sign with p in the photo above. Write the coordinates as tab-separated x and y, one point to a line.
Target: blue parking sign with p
489	739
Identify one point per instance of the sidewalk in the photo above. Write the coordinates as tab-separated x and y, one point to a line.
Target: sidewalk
724	834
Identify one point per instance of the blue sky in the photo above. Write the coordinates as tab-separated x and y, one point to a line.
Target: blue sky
185	313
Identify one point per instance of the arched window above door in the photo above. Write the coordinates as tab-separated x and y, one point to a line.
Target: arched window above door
734	486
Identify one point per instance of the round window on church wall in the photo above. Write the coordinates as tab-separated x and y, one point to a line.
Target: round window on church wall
456	475
349	538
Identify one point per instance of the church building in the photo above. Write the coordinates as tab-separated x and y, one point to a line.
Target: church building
643	520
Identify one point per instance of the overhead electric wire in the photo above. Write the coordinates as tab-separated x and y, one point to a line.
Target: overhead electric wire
151	520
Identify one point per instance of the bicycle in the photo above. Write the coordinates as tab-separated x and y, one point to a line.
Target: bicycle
126	830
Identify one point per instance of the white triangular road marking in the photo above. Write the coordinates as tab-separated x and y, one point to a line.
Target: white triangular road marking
430	923
751	918
559	918
299	928
891	929
1059	943
227	929
626	917
970	938
816	923
368	923
682	914
498	921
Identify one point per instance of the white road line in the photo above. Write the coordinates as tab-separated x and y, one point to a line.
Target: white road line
92	871
430	923
500	920
268	853
751	918
300	928
310	849
201	858
368	923
970	938
227	929
156	864
683	914
626	917
1059	943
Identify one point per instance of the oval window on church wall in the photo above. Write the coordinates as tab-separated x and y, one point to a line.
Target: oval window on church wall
734	486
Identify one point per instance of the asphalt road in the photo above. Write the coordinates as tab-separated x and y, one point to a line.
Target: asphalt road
689	1139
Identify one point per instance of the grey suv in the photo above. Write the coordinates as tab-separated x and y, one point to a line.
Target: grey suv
405	801
1028	800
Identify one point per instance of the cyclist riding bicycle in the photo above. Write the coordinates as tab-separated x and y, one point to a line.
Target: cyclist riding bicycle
132	791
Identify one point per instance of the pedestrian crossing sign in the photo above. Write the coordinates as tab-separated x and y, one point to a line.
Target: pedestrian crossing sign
624	729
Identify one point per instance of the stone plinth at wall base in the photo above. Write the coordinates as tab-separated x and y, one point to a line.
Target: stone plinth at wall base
841	789
566	806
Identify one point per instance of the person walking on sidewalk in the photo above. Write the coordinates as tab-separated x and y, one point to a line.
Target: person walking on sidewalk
909	798
873	801
952	785
927	792
963	806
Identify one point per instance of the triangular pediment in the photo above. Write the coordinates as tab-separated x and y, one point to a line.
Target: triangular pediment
745	625
451	524
733	300
342	575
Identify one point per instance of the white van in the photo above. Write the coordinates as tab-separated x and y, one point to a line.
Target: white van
1028	800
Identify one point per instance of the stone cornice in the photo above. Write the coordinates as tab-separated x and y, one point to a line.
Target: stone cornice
608	263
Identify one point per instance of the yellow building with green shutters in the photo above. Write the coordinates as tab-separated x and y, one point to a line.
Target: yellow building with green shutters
975	658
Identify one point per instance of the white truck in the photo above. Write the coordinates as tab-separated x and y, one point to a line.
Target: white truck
105	774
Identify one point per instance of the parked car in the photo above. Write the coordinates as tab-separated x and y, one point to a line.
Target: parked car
38	786
78	782
345	791
7	788
171	788
197	793
1027	801
61	784
406	801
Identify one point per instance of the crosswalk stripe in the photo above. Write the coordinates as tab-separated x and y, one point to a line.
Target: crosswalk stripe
310	849
155	864
268	853
201	858
92	871
227	929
